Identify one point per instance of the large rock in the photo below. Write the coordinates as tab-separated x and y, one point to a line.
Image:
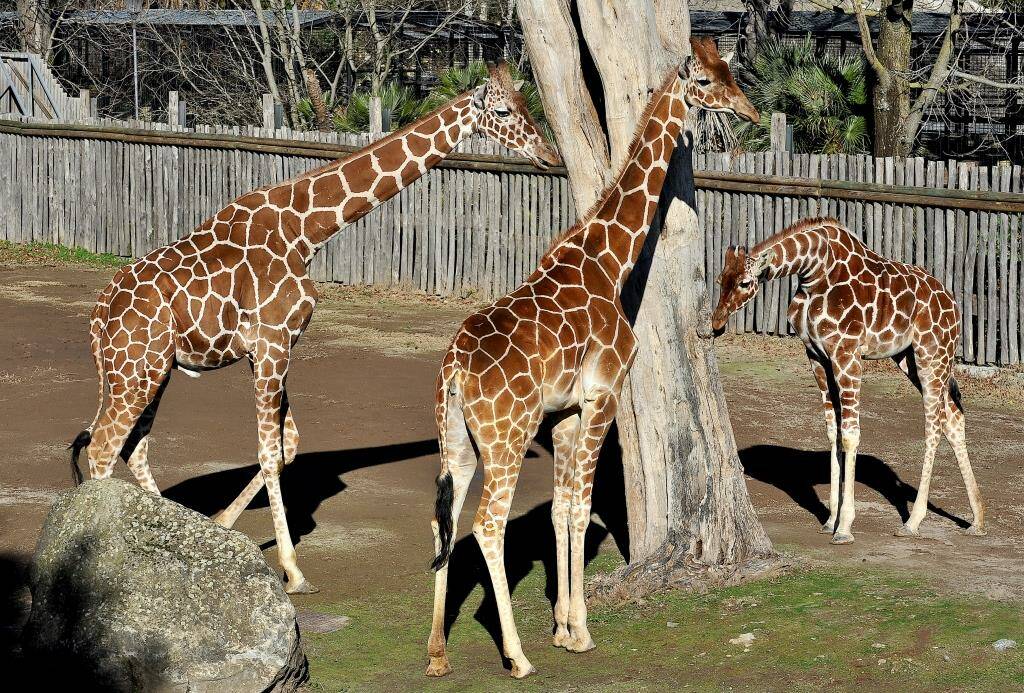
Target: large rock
135	592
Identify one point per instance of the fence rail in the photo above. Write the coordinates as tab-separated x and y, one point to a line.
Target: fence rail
479	223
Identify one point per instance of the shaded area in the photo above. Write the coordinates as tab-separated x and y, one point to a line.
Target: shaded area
797	472
306	483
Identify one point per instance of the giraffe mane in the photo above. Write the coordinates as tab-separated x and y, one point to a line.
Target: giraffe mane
799	227
634	145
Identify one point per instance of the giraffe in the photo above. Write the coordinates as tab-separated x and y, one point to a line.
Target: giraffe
559	344
854	304
237	287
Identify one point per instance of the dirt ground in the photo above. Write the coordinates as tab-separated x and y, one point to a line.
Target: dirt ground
360	494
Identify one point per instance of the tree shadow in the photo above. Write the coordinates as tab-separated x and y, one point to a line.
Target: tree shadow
306	483
797	472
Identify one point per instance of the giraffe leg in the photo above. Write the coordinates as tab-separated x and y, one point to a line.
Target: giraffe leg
953	428
563	436
136	448
502	463
270	370
846	366
932	386
461	463
832	431
229	515
597	416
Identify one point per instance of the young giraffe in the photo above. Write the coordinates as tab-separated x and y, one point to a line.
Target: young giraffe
854	304
560	343
237	287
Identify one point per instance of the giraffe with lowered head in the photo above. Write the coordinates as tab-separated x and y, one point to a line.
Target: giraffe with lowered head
854	304
237	287
559	344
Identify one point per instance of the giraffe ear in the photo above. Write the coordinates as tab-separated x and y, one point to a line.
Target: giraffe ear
479	95
686	68
518	84
762	262
727	58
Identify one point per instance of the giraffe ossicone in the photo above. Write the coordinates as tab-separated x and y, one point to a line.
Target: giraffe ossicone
559	344
237	287
854	304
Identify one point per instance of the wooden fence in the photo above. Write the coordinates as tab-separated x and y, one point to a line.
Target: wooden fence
479	223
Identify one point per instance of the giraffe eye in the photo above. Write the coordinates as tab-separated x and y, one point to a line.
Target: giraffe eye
703	81
746	283
501	112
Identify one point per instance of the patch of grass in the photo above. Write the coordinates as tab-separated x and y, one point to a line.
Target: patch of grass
812	629
51	254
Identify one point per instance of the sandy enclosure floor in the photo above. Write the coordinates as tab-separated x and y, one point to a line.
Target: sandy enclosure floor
361	492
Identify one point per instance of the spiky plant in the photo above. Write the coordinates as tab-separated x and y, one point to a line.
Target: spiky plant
824	97
398	105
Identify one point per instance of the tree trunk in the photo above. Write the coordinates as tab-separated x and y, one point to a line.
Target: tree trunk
316	99
891	102
690	518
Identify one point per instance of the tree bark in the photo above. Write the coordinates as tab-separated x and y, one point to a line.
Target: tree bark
891	97
689	514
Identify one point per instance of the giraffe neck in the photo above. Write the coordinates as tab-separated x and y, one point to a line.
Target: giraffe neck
325	201
802	252
620	221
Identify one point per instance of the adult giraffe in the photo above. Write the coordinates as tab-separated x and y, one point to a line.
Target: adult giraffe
237	287
560	343
854	304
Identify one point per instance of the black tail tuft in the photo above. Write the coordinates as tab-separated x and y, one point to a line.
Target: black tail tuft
81	441
954	394
443	515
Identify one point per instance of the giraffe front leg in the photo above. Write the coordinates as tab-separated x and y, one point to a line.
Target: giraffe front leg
270	371
847	369
597	416
821	375
563	437
934	418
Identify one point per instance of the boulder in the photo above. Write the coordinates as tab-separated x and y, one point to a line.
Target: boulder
132	592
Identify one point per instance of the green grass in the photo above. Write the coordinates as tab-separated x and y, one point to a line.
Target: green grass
49	254
813	628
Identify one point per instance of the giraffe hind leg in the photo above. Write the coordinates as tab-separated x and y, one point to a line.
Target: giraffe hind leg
953	428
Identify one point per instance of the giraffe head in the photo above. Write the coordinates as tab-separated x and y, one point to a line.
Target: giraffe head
710	84
502	115
740	281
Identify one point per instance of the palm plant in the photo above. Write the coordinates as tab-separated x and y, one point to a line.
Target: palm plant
398	105
824	97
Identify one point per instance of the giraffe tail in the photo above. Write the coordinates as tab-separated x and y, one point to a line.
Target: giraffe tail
954	394
449	403
83	439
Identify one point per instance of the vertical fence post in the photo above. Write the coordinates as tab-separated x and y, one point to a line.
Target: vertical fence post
84	104
173	115
778	132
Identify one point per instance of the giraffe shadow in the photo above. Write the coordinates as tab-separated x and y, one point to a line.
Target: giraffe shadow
797	472
307	482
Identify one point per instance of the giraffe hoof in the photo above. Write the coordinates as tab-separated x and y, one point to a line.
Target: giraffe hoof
561	638
905	531
975	531
842	538
827	528
580	645
439	666
303	587
522	670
